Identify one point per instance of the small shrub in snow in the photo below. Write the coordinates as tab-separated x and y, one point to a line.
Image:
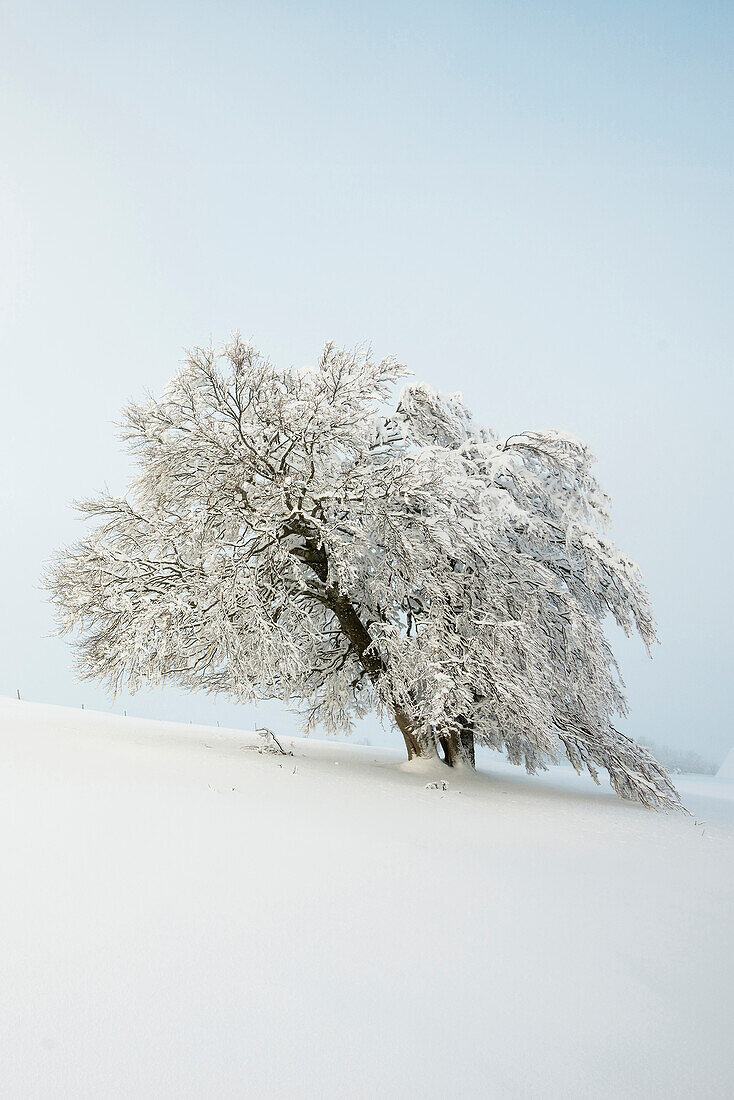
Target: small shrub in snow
270	742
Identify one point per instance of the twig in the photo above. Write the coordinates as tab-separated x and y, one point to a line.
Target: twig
269	733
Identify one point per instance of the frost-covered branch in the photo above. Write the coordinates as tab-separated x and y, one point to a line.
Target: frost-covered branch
289	535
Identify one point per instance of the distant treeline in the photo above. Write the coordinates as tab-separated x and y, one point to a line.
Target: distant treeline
680	761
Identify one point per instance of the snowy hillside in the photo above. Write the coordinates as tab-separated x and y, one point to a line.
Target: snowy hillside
726	771
184	916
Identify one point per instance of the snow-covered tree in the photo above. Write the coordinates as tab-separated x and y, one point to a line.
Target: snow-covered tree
289	535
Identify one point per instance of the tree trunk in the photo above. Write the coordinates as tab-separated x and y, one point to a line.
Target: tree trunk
373	665
361	641
458	746
467	747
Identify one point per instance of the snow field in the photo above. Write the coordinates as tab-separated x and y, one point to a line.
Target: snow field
185	916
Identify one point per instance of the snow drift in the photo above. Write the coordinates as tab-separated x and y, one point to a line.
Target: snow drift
186	916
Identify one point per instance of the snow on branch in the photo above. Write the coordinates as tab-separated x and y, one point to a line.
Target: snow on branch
289	534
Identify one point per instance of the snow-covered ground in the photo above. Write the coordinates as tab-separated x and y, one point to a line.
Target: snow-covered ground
726	771
183	916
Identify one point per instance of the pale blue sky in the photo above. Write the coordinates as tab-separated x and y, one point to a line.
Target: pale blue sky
531	203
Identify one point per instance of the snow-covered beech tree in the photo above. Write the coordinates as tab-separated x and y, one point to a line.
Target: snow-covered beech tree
290	535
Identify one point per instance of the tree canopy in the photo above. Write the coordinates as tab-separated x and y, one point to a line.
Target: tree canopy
302	534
